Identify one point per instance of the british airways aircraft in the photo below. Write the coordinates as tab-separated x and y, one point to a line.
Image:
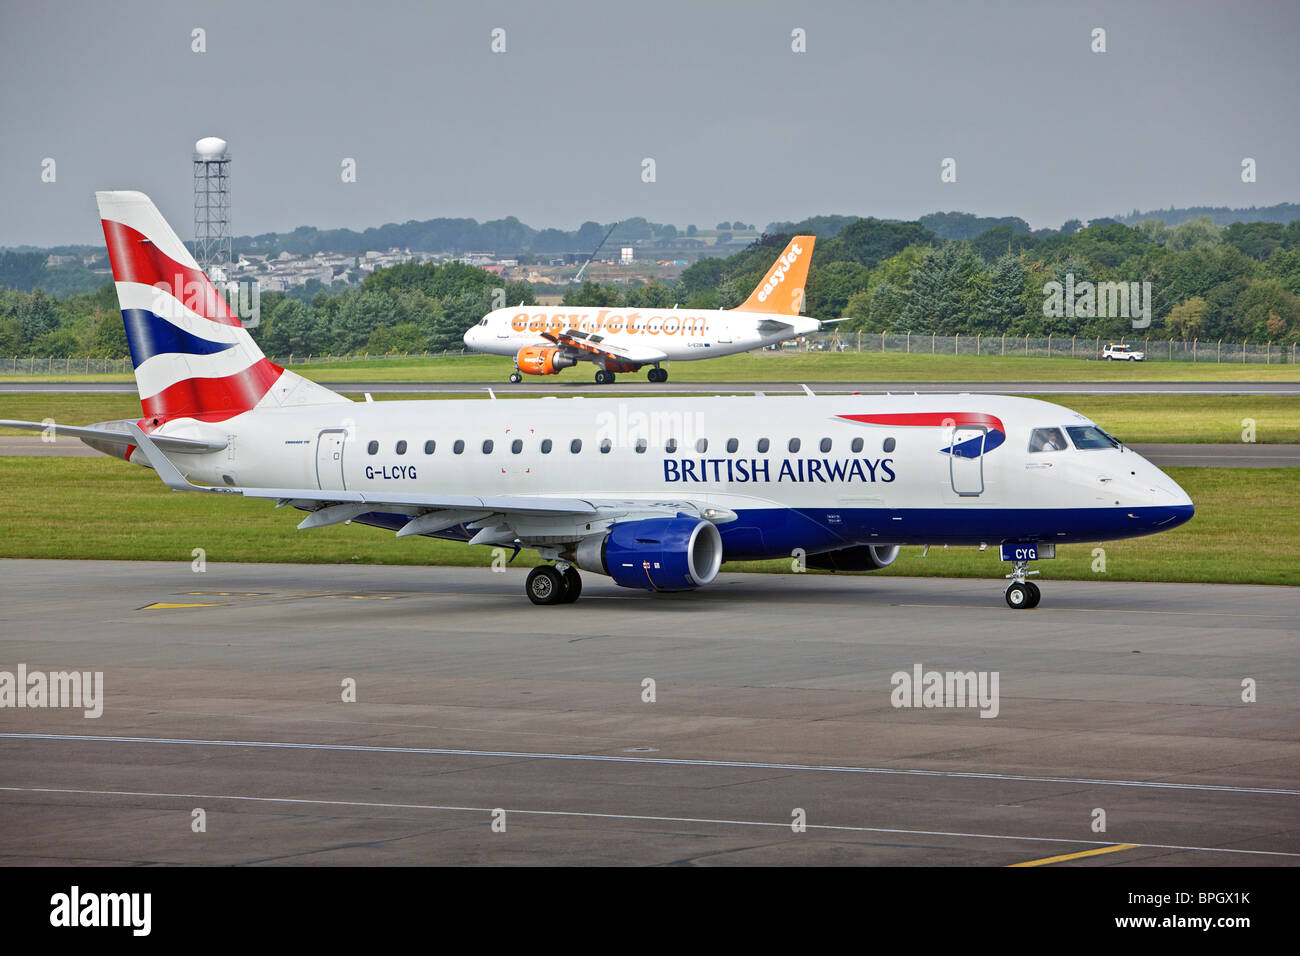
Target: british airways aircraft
655	493
544	340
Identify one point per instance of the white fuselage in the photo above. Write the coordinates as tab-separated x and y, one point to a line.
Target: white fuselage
849	480
648	335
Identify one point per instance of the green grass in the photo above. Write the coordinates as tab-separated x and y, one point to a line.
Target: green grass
795	367
1247	529
1134	418
1189	418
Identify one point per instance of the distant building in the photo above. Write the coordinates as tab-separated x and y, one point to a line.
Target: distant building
625	255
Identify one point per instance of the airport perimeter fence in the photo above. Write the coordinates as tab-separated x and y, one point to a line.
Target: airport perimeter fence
1169	350
19	365
1052	346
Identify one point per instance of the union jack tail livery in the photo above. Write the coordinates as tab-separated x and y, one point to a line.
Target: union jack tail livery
192	356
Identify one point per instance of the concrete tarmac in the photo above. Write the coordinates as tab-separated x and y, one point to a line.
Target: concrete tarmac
640	729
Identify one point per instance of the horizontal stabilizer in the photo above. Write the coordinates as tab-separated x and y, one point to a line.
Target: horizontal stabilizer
183	446
773	326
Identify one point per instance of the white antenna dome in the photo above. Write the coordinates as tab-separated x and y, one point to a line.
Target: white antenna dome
211	147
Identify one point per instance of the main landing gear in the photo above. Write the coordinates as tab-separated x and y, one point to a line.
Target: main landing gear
657	374
603	377
515	377
1022	594
550	585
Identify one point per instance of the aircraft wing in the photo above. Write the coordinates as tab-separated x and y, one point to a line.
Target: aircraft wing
531	520
595	343
119	436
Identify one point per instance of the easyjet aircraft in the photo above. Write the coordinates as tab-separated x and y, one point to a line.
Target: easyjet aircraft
654	492
545	339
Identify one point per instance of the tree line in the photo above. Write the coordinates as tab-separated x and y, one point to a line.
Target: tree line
1206	282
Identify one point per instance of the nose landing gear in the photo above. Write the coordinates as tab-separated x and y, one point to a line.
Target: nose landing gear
1022	594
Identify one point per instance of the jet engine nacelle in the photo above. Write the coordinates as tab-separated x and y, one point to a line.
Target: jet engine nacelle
543	360
864	557
656	554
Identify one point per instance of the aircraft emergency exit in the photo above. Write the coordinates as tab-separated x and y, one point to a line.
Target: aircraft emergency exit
544	340
655	493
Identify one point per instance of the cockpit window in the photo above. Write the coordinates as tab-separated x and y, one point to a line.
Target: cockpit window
1047	439
1090	436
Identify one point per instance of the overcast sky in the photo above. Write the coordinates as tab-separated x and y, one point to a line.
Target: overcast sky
555	129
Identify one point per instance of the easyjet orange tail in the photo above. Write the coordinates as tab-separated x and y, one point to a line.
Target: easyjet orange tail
781	291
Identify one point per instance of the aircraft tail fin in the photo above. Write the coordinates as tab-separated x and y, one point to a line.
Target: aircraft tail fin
193	357
782	290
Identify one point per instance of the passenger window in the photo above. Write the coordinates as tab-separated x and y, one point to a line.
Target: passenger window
702	445
763	446
605	446
1047	439
889	444
794	444
516	446
401	447
429	446
856	445
546	446
641	446
373	448
459	447
825	445
487	446
575	446
733	444
671	445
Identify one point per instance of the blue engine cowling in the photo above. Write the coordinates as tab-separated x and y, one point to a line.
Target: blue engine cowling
656	554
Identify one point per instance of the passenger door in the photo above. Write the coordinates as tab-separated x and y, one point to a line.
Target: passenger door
966	459
329	459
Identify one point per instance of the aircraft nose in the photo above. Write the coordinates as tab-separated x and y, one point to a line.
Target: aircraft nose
1174	506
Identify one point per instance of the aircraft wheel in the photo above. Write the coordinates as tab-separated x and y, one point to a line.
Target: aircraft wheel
545	585
515	378
658	375
602	377
572	585
1019	597
1035	595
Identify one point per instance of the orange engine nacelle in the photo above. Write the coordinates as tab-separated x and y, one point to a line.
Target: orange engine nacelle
543	360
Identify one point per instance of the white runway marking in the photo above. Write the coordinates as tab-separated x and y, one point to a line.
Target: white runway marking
636	818
664	761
